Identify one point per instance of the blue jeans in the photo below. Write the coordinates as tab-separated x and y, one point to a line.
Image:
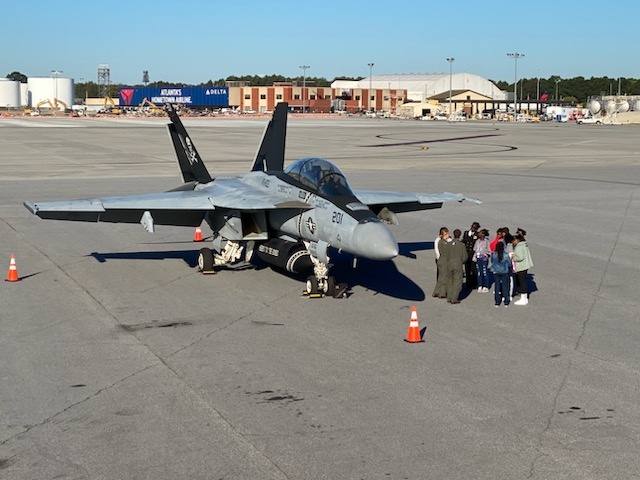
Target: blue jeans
501	288
483	275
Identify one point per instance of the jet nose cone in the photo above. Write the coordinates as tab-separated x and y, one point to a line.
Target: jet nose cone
375	241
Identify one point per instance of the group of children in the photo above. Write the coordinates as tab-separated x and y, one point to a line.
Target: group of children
507	257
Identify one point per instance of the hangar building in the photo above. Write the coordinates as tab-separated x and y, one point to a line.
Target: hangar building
422	86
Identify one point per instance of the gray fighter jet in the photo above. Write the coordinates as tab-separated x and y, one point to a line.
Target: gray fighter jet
288	217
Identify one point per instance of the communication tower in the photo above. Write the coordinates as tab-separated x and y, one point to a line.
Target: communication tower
145	77
104	80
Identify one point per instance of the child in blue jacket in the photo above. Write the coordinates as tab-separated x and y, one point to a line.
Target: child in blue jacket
501	268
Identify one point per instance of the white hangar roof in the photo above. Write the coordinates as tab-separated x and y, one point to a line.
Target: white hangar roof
421	86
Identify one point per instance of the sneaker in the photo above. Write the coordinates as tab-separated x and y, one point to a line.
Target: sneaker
485	289
497	305
506	305
479	289
522	301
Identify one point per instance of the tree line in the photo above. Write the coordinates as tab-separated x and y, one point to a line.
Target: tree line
576	89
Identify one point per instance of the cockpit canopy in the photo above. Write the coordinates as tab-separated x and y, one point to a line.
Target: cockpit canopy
321	175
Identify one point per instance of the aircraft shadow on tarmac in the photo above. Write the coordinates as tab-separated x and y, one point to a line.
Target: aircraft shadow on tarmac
381	277
190	257
407	249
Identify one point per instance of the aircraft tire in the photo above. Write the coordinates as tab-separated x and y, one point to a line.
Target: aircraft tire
312	285
205	260
331	286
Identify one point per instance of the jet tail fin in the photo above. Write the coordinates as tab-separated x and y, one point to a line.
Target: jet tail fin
270	155
191	166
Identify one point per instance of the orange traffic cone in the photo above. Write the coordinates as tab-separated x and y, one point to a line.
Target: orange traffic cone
413	335
197	237
12	274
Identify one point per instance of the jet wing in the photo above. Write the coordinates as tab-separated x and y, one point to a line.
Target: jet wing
181	208
233	193
400	202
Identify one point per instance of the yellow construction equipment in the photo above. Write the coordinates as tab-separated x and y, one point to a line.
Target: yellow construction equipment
147	106
50	105
46	103
48	108
110	106
59	103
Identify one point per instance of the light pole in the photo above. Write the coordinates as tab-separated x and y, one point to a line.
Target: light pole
370	65
450	60
515	57
56	73
304	79
538	95
619	90
557	82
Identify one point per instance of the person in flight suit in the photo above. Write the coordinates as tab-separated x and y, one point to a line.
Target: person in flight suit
457	255
441	246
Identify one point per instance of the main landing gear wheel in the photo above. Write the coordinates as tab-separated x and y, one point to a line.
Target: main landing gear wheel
312	285
205	261
330	285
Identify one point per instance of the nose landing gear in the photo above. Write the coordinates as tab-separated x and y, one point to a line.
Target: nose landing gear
318	288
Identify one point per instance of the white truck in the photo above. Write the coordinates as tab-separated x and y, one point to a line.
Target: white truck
589	120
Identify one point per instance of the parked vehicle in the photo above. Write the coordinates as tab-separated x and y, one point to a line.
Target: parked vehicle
457	118
589	120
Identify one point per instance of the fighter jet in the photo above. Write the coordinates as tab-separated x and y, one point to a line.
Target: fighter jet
289	217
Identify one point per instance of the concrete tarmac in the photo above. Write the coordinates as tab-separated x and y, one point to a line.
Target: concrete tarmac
119	360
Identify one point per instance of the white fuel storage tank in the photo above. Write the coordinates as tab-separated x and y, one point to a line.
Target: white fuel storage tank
50	88
9	93
594	107
24	94
622	106
610	106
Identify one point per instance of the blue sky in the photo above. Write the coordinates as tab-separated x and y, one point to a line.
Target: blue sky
196	40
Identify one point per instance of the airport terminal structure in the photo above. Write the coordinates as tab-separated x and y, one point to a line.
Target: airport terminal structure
414	95
386	92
